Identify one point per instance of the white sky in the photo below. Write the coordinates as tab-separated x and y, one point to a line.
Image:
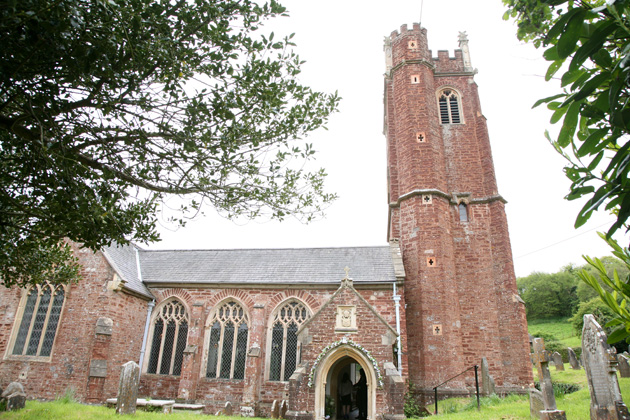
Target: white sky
342	42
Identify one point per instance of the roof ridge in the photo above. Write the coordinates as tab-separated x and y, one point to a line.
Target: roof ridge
262	249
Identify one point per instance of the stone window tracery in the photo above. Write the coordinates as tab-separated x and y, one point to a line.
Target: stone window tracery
170	333
40	308
284	350
449	103
227	344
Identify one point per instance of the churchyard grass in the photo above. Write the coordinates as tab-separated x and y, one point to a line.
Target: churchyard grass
59	410
514	407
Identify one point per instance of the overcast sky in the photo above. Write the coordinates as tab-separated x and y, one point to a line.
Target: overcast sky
342	42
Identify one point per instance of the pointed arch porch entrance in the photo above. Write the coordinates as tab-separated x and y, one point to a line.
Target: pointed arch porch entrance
327	373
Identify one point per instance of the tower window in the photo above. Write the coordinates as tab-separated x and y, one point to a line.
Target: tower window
463	212
449	107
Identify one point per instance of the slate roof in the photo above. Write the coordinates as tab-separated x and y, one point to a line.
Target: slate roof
123	260
268	266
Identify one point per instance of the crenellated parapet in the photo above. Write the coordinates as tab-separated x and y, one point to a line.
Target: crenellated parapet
410	46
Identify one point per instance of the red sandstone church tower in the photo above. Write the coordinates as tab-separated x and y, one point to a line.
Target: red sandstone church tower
460	288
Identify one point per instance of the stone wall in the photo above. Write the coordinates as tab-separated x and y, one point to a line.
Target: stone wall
77	347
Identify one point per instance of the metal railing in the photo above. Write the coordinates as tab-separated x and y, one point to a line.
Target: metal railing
435	388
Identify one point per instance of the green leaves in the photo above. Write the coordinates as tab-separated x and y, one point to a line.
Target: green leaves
110	108
616	292
594	111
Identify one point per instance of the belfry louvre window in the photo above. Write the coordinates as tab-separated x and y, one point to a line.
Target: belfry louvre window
40	320
284	343
227	347
449	107
170	332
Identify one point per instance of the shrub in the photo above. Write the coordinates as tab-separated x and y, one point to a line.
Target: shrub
561	389
412	408
68	396
597	308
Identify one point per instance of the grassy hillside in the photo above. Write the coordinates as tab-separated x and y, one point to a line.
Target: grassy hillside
560	328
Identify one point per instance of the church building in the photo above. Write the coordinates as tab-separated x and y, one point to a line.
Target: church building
263	328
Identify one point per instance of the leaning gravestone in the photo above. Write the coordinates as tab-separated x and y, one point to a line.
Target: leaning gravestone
487	381
624	367
284	407
541	359
600	364
128	388
557	360
14	396
573	360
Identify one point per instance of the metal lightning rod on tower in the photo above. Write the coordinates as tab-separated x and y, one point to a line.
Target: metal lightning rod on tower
421	4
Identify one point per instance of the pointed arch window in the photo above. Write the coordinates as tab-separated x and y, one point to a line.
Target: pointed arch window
284	344
41	308
170	332
227	345
463	212
449	107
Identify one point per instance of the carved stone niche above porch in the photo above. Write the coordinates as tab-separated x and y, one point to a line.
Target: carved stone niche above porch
346	319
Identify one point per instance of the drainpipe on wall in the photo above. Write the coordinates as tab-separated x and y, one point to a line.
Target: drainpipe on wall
396	298
150	306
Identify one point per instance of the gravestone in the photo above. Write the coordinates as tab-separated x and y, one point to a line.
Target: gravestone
536	404
14	396
600	364
624	367
573	360
487	381
541	359
128	388
228	410
247	411
284	407
557	361
275	409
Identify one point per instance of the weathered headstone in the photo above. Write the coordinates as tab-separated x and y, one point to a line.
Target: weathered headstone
541	359
14	396
487	381
284	407
228	410
573	360
275	409
128	388
624	367
557	360
536	404
600	364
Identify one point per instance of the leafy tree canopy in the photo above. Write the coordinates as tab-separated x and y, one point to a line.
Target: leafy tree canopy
588	45
107	107
548	295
